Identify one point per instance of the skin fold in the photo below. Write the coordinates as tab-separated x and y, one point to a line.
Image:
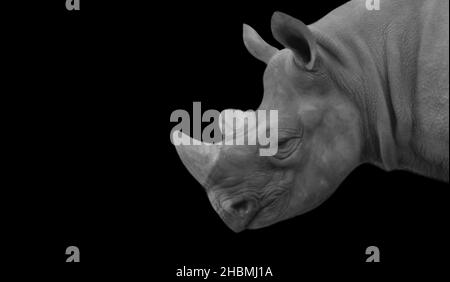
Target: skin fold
346	94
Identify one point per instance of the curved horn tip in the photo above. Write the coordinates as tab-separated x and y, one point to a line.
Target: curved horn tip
277	16
198	159
246	28
179	138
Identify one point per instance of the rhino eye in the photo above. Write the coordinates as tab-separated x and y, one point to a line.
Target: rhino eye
286	147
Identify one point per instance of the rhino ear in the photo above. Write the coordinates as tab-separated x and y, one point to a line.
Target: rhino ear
256	45
295	35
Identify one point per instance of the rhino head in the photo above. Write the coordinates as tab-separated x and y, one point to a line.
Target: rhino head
318	137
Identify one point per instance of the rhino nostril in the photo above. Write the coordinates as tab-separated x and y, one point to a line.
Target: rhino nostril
241	207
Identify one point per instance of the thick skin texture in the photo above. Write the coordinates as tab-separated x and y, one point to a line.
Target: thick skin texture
357	86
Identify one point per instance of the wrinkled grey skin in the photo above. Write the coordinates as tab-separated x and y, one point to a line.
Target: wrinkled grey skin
357	86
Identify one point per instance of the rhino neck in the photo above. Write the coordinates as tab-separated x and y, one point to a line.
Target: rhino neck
363	53
352	52
378	142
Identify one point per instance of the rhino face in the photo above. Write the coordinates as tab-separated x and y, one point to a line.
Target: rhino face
318	138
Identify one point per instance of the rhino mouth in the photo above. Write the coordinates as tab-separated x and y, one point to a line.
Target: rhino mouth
271	212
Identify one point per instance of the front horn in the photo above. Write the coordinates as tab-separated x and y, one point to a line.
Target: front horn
198	159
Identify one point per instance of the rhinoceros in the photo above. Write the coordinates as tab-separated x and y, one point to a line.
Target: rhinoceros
357	86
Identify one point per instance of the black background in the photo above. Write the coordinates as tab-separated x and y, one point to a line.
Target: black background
91	93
